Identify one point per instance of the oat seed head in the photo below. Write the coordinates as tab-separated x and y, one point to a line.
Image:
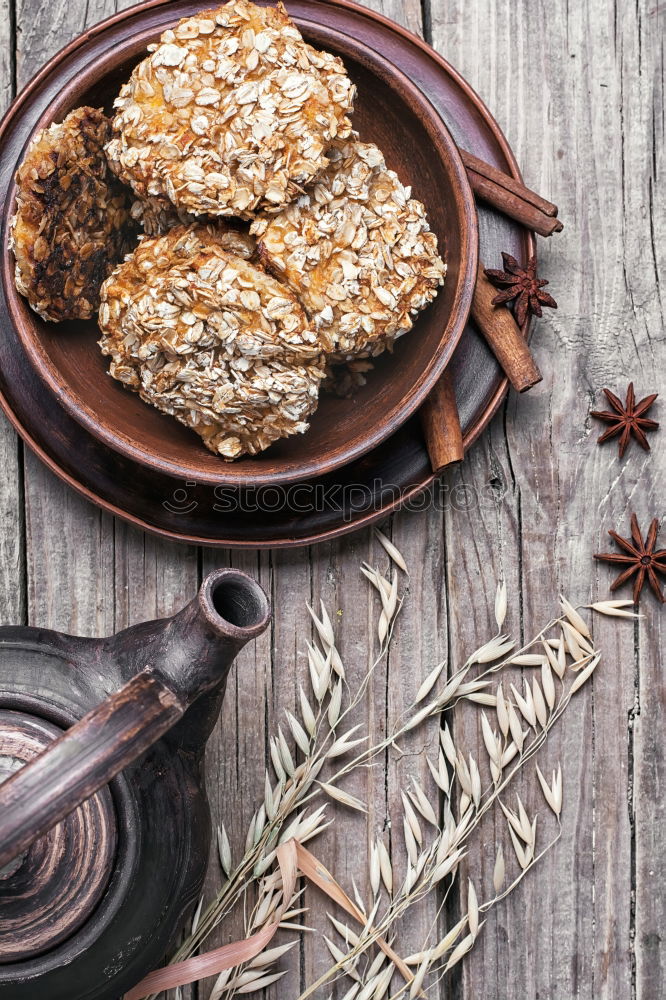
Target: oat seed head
500	604
391	550
615	609
499	870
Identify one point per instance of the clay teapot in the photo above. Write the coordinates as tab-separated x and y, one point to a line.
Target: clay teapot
104	821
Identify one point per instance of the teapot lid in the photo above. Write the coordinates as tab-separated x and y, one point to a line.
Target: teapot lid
50	891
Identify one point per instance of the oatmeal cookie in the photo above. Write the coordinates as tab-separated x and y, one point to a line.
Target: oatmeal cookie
230	112
72	223
357	251
212	340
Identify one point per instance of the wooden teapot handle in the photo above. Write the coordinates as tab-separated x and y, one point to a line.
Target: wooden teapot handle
196	650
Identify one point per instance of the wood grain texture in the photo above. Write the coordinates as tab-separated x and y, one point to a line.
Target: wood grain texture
571	91
578	89
12	538
7	53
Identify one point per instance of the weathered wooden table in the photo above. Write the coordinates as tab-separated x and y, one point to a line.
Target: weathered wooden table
578	90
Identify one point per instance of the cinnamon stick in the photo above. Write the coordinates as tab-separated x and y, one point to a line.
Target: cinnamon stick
504	336
507	181
441	425
510	197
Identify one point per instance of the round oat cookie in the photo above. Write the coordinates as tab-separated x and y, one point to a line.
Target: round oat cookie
72	223
357	251
207	337
232	111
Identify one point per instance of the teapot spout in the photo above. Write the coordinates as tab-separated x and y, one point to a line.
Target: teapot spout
195	649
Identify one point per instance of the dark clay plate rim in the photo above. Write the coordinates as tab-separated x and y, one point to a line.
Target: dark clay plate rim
370	438
476	421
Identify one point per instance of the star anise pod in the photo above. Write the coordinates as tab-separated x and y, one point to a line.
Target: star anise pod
627	419
521	284
641	559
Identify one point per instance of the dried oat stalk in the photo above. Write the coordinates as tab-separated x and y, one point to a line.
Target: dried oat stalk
316	749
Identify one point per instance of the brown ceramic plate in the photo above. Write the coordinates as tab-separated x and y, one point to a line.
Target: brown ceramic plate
365	490
391	111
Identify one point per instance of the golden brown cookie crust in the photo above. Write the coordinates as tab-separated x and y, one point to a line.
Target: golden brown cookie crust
212	340
72	223
357	251
231	112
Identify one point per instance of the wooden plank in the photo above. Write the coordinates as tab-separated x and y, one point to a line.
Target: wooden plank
151	579
7	52
236	755
12	538
643	216
482	533
562	491
71	594
519	534
337	580
409	13
647	809
420	642
578	98
66	592
43	28
394	685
